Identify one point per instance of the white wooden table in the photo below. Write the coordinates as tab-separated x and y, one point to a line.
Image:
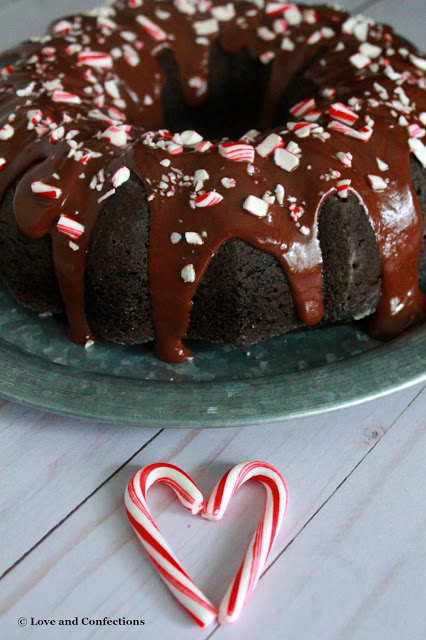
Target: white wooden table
350	560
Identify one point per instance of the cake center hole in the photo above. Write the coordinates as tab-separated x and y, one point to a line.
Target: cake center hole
236	88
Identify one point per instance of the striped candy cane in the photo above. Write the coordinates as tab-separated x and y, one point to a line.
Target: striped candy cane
242	586
163	558
179	583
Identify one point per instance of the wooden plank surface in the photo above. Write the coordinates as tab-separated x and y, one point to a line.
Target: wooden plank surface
357	569
92	565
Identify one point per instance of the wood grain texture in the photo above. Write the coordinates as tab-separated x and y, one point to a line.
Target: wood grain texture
357	569
95	553
52	465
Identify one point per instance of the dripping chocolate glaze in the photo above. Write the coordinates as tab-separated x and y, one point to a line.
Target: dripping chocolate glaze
128	90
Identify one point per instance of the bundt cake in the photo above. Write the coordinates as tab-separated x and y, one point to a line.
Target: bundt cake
224	171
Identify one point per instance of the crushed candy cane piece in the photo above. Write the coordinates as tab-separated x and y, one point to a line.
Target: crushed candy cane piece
286	160
343	188
256	206
341	112
419	150
208	199
7	132
70	227
121	176
237	151
95	59
190	138
377	183
193	238
188	273
269	145
229	183
156	32
115	136
46	190
383	166
345	158
303	107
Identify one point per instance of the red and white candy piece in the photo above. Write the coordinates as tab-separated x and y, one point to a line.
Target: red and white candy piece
65	96
377	183
343	188
2	163
363	134
286	160
96	59
269	145
116	136
7	132
244	583
70	227
177	580
237	151
120	177
256	206
46	190
208	199
341	112
151	28
303	107
345	158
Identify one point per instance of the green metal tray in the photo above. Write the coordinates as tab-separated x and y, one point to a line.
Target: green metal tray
291	376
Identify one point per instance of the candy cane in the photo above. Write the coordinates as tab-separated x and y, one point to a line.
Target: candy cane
179	583
242	587
163	558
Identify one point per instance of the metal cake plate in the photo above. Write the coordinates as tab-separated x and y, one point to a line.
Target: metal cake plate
295	375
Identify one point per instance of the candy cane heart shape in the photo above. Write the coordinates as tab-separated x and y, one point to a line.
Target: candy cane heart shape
163	558
180	584
242	586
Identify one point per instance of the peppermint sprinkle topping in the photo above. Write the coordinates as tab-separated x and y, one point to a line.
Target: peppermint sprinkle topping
256	206
342	113
377	183
286	160
175	238
190	138
65	96
229	183
382	165
120	177
115	136
6	132
345	158
70	227
208	199
95	59
419	150
237	151
303	107
2	163
188	273
360	60
151	28
193	238
269	145
46	190
343	188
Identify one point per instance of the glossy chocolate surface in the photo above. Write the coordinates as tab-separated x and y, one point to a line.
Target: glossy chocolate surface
85	103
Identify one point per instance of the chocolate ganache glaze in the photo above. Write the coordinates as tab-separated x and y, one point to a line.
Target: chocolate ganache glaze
83	107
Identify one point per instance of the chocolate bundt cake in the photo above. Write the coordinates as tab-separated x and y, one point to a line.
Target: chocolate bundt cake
225	171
